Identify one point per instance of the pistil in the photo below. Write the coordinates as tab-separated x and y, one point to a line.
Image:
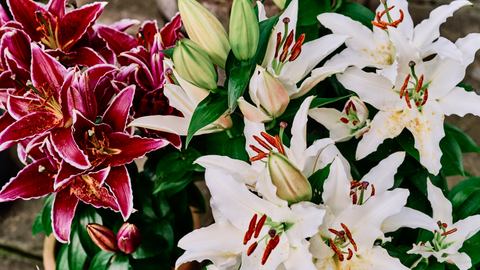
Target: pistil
418	93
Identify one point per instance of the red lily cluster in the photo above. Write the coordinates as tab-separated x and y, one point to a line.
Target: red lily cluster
69	87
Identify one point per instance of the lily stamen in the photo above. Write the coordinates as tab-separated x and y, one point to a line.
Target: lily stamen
270	246
449	232
349	235
350	254
384	25
335	249
260	224
425	97
405	84
262	143
252	248
420	83
251	229
373	191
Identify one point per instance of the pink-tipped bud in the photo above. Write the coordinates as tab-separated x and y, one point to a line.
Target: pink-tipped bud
128	238
103	237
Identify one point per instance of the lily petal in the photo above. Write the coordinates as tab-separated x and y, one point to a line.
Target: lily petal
383	180
469	100
46	71
167	123
252	113
68	149
461	260
336	188
116	40
299	130
117	113
441	206
410	218
469	45
240	170
299	258
89	189
63	211
119	182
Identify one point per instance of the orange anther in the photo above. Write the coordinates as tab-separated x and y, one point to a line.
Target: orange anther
349	235
254	148
251	229
279	144
449	232
262	143
425	96
407	99
335	249
350	254
269	138
289	40
252	248
420	83
373	191
260	225
405	84
279	40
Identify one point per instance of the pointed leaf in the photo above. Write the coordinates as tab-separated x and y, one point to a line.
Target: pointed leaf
100	261
62	258
308	10
357	12
76	254
317	179
467	144
47	215
237	81
452	159
207	112
85	216
120	262
316	102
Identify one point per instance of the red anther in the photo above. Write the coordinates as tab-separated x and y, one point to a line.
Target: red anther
365	184
344	120
252	248
349	235
299	42
269	138
335	249
425	96
347	108
420	83
422	244
340	234
333	231
258	157
289	40
373	191
295	54
383	12
350	254
352	186
283	56
444	225
254	148
352	192
379	16
354	198
251	229
405	84
417	103
397	22
407	99
260	225
279	40
355	122
449	232
381	25
274	241
267	252
353	106
280	148
262	143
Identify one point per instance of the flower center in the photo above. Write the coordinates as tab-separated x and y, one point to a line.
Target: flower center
357	191
45	98
267	143
384	25
96	147
341	241
351	118
50	36
273	235
439	237
281	54
418	93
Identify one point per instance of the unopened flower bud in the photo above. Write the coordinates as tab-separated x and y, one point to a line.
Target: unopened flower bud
203	28
244	31
292	186
103	237
193	65
128	238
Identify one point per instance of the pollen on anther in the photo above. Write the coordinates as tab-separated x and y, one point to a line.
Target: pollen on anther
344	120
449	232
350	254
252	248
260	224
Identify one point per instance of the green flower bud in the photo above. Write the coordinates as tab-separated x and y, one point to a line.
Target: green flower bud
292	186
193	65
243	30
280	4
203	28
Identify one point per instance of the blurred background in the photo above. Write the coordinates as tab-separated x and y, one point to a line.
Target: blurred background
20	251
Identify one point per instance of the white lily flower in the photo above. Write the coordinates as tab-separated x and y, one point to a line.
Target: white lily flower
354	222
423	93
450	236
185	98
250	230
290	64
374	49
351	122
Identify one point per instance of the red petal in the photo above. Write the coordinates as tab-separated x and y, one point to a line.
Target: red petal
117	113
18	44
63	211
66	174
131	147
30	182
68	149
119	182
148	29
23	11
46	71
57	7
75	23
170	33
88	188
116	40
28	126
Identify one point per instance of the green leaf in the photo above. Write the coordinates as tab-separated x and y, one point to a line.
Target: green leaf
470	205
160	204
62	258
76	253
152	244
174	187
100	261
171	167
452	159
316	102
265	30
310	31
235	148
207	112
472	250
190	155
238	79
462	195
467	87
37	224
84	216
47	215
168	52
316	180
467	144
406	140
165	229
120	262
470	182
308	10
358	13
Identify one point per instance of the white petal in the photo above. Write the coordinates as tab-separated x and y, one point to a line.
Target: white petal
312	53
221	260
444	48
341	132
429	29
317	157
261	12
326	116
441	206
469	45
382	175
469	101
410	218
268	190
362	37
179	99
251	129
319	249
251	112
278	255
406	26
427	130
405	50
461	260
378	258
222	236
307	217
240	170
443	75
298	143
300	258
373	89
166	123
385	125
234	200
317	76
466	228
336	188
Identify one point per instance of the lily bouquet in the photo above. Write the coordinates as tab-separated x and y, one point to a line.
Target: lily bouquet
360	185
